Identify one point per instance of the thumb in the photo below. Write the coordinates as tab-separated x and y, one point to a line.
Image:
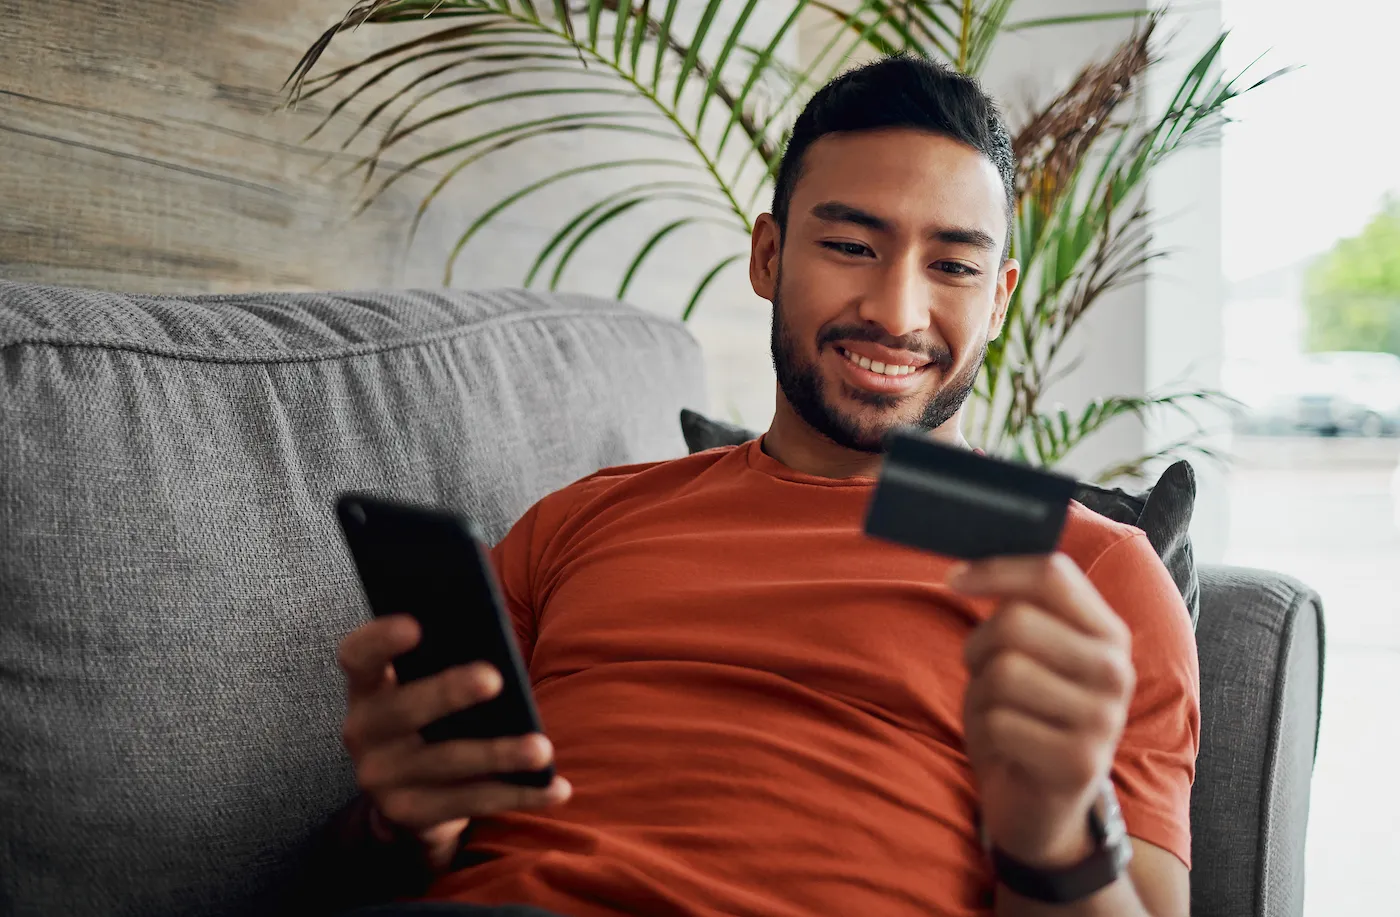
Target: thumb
366	654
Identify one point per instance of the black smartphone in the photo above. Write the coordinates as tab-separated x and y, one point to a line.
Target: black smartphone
433	565
957	503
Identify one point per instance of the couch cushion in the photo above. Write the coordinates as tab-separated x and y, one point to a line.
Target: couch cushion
1163	511
1262	643
703	432
172	582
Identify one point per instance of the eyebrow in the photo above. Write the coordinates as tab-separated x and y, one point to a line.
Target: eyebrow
837	212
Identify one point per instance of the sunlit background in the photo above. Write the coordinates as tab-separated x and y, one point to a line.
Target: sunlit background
1307	166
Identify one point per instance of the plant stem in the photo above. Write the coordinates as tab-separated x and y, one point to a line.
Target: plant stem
965	40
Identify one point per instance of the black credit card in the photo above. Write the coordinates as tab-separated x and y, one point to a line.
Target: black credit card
954	502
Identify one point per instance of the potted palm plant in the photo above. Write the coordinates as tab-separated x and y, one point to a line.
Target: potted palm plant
726	100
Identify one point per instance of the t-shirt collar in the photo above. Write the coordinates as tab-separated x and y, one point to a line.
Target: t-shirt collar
764	463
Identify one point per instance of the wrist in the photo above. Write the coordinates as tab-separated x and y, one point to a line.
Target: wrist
1070	865
1055	839
1040	847
1068	849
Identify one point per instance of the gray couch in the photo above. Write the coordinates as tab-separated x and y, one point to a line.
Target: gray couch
172	584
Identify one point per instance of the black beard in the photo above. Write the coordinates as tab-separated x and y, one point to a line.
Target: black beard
801	384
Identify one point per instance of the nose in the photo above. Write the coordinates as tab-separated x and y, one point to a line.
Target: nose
900	301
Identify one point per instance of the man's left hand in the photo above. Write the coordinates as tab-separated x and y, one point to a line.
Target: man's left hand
1051	678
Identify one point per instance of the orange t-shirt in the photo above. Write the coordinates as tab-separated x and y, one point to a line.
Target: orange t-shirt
760	707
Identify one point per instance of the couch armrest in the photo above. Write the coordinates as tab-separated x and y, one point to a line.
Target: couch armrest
1261	643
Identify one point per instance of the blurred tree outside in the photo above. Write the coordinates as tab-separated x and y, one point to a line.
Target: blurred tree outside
1352	293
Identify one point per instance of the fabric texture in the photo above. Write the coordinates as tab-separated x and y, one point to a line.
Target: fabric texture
1163	511
172	581
761	709
1262	646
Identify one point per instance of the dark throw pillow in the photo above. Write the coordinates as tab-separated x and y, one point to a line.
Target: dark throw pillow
702	433
1163	511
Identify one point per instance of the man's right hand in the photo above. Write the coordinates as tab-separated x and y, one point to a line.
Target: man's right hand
430	789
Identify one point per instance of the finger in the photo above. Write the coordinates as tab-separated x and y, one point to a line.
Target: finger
367	651
1052	582
456	761
1057	760
1014	681
1023	628
418	808
404	711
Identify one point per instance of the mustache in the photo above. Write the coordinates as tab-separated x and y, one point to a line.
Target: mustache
936	353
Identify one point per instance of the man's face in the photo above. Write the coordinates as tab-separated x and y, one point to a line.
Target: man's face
887	284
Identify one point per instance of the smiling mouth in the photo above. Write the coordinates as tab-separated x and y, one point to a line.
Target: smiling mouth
876	387
891	370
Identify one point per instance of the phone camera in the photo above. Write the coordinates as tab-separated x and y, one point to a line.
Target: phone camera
357	513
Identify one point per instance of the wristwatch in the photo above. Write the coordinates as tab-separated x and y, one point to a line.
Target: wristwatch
1101	868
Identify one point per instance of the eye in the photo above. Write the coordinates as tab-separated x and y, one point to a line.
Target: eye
956	269
852	249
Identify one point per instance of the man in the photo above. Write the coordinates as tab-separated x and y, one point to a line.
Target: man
755	708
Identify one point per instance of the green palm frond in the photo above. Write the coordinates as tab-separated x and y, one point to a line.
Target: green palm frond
894	26
705	282
1049	436
598	50
624	51
986	26
1137	469
865	21
1077	239
762	62
1026	25
563	175
959	32
696	192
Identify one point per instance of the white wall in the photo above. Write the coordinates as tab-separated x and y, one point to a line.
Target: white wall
1185	328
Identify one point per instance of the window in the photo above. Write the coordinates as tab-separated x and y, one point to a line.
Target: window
1316	492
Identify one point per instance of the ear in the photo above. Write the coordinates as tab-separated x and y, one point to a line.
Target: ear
1007	279
765	247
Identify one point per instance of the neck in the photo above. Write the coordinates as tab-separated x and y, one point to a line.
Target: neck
793	442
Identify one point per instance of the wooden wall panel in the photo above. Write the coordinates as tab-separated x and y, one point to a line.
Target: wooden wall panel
141	148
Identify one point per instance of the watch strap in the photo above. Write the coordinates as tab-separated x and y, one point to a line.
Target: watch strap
1112	852
1062	886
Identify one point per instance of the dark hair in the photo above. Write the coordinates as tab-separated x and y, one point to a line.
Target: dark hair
900	91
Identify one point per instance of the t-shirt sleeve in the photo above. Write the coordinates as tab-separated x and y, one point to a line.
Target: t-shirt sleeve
516	559
1156	761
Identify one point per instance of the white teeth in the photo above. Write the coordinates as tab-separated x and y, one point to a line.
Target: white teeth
885	369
